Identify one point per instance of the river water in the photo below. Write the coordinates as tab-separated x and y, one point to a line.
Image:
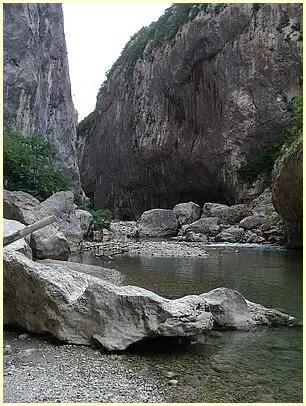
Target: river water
259	365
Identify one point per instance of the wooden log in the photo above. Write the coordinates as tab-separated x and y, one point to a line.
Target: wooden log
28	230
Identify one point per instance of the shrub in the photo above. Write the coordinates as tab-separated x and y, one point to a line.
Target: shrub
85	125
159	32
257	163
102	217
29	166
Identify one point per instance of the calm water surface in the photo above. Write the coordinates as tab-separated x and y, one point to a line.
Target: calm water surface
259	365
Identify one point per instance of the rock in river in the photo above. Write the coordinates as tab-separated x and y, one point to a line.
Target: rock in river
157	223
187	213
79	308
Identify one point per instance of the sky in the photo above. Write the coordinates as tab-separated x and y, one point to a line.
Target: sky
95	36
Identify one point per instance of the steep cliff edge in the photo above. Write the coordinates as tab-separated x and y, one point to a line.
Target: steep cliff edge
287	193
189	99
37	90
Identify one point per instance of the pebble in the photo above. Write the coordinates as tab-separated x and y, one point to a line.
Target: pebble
222	368
27	352
23	336
169	374
173	382
7	349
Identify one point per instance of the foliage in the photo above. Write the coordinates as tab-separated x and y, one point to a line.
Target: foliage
264	162
294	127
84	125
29	165
102	217
159	32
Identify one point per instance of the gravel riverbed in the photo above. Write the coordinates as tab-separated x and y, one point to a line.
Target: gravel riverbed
36	370
160	248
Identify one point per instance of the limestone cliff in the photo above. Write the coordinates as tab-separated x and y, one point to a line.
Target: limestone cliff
37	91
287	193
187	102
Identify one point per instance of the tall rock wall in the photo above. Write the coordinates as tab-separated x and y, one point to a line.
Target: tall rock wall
175	122
287	193
37	90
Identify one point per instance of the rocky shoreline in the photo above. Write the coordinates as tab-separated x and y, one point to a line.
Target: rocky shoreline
158	248
38	369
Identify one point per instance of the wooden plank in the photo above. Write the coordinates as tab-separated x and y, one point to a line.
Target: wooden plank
28	230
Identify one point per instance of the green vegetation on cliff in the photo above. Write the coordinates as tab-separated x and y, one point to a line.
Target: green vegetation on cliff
264	162
84	125
29	166
159	32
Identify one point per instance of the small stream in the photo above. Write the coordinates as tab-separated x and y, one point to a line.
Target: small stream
259	365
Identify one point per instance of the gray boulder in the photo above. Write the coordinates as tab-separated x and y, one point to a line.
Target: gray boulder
21	245
50	242
252	238
238	212
195	237
208	226
86	221
79	308
231	234
251	222
215	210
263	203
20	206
226	214
23	207
187	213
157	223
61	205
230	309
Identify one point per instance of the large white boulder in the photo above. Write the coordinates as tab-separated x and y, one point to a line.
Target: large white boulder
187	213
79	308
157	223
